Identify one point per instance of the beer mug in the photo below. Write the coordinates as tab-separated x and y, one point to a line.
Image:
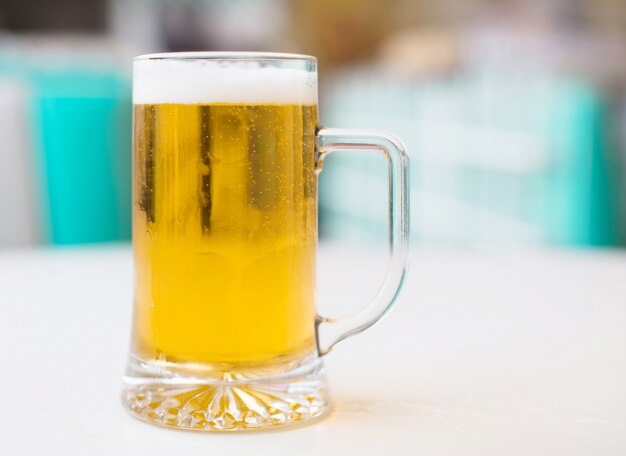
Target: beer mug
226	152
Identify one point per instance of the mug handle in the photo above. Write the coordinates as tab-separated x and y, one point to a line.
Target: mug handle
330	331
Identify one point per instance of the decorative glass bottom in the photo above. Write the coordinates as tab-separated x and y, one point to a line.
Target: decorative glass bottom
229	403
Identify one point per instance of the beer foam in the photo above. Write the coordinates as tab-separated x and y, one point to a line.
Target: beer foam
191	81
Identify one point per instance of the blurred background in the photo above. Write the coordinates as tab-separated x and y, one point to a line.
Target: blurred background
513	111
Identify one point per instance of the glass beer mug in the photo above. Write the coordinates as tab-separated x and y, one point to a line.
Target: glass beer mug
226	152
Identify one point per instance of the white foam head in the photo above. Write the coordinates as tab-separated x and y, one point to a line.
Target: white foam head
198	80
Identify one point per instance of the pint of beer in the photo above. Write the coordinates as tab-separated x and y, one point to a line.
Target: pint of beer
225	226
225	236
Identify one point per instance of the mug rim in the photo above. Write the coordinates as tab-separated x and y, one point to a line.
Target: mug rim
220	55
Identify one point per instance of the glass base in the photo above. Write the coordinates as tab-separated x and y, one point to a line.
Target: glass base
232	401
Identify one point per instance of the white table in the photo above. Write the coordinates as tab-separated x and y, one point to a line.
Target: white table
485	353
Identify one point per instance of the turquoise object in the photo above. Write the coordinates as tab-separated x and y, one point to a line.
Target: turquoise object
497	158
81	121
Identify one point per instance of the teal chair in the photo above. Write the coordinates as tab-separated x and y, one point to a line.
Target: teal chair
80	123
496	159
83	125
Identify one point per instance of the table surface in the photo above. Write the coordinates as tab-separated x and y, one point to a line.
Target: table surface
485	353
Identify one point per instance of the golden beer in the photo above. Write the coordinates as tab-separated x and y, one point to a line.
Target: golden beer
225	232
